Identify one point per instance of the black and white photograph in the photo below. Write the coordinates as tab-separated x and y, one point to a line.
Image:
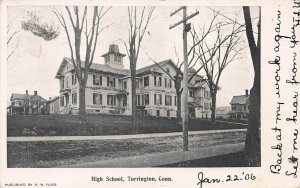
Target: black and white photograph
149	93
133	86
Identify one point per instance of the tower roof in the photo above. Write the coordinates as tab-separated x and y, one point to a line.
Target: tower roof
113	49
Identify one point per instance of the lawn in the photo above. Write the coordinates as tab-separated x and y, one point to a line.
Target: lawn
229	160
67	125
60	153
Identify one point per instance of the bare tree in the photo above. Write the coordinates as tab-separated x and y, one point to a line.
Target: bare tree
138	23
79	28
177	79
215	56
252	144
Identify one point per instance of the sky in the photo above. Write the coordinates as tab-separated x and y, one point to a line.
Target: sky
35	62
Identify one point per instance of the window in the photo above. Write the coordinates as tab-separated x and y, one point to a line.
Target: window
97	98
168	70
74	98
146	81
157	99
206	93
206	106
143	99
157	113
67	99
67	82
157	81
168	83
191	93
137	84
175	100
168	113
111	82
119	59
115	57
16	103
74	79
111	100
138	99
146	99
168	100
62	101
62	83
124	101
97	80
124	85
233	107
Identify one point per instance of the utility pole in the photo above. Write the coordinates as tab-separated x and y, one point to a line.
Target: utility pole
184	111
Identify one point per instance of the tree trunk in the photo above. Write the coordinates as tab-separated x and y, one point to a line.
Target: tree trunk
253	141
133	95
252	144
178	94
213	106
82	113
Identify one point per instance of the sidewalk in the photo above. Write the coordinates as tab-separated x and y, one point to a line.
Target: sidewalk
236	123
113	137
154	160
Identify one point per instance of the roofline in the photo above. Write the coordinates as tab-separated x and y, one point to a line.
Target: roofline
152	65
27	95
57	76
118	53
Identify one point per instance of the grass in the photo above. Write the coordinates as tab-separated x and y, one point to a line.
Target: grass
68	125
229	160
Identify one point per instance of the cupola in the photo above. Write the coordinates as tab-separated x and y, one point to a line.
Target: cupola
113	57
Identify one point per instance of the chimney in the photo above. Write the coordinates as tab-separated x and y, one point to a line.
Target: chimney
49	98
35	93
247	92
26	92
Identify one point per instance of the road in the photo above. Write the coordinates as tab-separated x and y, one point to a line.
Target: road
59	153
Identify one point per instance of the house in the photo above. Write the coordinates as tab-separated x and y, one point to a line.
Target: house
199	100
52	106
25	104
108	89
240	107
222	112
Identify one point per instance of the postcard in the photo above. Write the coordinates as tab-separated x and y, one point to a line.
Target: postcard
149	93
